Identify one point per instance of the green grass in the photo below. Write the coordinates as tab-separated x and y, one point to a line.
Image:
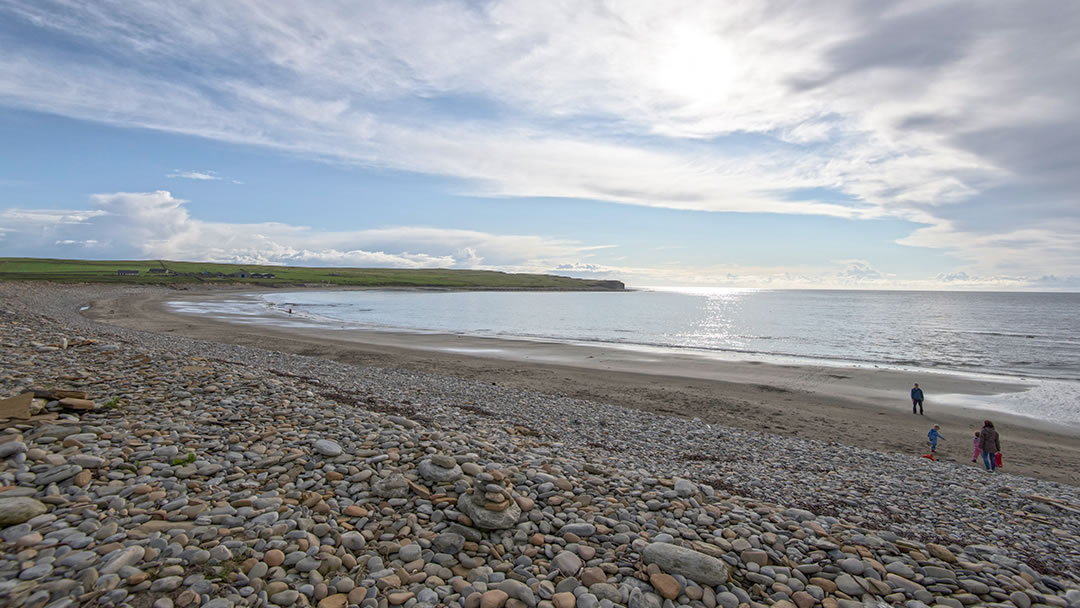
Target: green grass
104	271
190	458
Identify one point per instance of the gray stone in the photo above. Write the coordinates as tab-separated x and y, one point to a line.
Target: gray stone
639	599
519	591
285	598
899	582
606	591
15	532
409	552
353	541
58	474
976	587
19	509
567	585
307	564
448	542
328	448
35	572
443	461
799	514
1021	599
727	599
852	565
79	560
126	557
220	553
696	566
186	471
685	488
848	584
899	569
169	583
568	563
395	486
87	461
583	530
939	573
430	471
58	431
11	448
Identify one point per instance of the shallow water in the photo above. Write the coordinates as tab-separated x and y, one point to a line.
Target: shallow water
1035	336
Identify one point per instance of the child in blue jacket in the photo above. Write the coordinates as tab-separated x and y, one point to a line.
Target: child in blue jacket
934	435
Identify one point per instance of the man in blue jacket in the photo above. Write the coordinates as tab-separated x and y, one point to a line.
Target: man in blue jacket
916	400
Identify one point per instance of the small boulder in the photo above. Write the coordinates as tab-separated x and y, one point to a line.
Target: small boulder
698	567
19	509
434	472
328	448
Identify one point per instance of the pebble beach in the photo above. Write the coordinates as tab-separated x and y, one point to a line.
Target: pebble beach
160	470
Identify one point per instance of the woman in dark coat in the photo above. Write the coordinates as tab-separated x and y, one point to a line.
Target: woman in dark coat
988	443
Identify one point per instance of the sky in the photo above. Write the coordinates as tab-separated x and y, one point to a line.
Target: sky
795	144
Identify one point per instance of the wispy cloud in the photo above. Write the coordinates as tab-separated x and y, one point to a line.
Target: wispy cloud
961	117
196	175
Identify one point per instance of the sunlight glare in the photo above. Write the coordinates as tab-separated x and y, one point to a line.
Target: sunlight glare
695	65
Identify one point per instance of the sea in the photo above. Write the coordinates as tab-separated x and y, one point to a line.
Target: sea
1030	337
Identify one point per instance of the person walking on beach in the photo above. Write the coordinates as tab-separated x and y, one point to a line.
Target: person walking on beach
933	436
916	399
975	454
988	445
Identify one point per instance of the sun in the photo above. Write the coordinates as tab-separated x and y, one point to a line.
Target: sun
694	65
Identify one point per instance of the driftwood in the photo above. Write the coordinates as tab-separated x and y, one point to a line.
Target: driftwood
1061	504
57	394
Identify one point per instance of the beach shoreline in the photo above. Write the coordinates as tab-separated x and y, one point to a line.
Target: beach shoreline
863	407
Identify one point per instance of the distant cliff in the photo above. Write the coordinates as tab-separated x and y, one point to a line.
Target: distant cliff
166	272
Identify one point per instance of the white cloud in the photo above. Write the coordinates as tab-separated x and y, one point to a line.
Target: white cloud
860	271
1050	244
87	242
196	175
151	225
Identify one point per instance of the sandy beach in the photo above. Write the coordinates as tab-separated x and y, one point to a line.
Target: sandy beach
864	407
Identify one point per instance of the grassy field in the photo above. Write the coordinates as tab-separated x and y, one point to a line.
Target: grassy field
105	271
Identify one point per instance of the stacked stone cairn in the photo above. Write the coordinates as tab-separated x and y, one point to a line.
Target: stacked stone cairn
492	507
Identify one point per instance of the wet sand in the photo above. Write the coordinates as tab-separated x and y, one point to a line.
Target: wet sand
866	407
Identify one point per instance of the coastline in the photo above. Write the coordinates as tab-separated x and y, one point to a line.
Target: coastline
863	407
